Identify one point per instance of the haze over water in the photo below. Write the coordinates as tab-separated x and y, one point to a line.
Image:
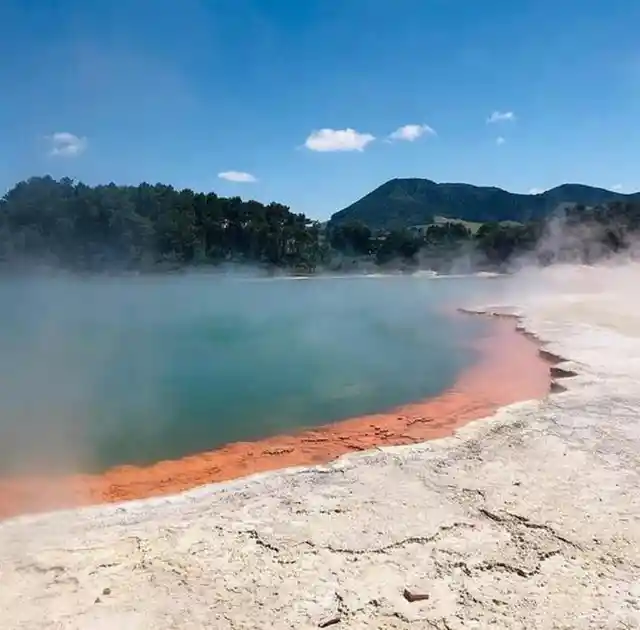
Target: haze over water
98	372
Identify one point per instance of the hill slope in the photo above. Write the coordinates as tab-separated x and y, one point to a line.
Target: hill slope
406	202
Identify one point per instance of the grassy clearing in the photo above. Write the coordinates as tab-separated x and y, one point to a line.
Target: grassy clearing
472	226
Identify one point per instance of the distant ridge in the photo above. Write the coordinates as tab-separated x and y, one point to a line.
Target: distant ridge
413	201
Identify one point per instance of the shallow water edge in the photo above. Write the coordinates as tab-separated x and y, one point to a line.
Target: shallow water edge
511	367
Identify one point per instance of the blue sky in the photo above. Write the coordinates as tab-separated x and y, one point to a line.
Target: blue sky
180	91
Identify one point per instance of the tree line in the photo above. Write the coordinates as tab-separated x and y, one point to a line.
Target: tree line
64	223
73	225
573	233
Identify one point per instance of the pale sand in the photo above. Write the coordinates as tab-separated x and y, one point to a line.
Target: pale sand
528	519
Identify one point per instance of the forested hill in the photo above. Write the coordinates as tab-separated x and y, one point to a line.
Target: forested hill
403	203
68	224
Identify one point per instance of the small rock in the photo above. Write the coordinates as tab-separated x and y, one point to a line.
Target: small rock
329	621
414	596
106	591
97	600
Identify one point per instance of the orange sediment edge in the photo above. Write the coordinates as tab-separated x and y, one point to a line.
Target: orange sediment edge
511	368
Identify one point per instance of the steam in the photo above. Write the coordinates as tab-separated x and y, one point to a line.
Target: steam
55	371
576	240
566	237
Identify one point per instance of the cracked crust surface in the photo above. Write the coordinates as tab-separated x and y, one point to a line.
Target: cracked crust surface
530	519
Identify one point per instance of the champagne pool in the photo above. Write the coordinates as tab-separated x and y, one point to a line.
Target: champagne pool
99	372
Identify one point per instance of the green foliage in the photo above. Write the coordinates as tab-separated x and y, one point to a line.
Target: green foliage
353	237
66	223
398	244
147	227
402	203
500	242
450	232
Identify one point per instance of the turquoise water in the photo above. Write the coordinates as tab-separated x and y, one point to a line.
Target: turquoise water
100	372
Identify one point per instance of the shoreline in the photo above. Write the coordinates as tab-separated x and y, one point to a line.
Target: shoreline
521	519
511	367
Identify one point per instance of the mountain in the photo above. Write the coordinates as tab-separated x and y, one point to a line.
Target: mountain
407	202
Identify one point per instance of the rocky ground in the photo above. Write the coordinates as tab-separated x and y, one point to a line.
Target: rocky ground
530	519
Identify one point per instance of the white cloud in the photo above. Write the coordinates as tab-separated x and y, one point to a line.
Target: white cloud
534	191
411	132
501	117
338	140
67	144
237	176
500	140
617	187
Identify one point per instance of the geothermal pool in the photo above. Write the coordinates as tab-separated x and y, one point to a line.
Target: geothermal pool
99	372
